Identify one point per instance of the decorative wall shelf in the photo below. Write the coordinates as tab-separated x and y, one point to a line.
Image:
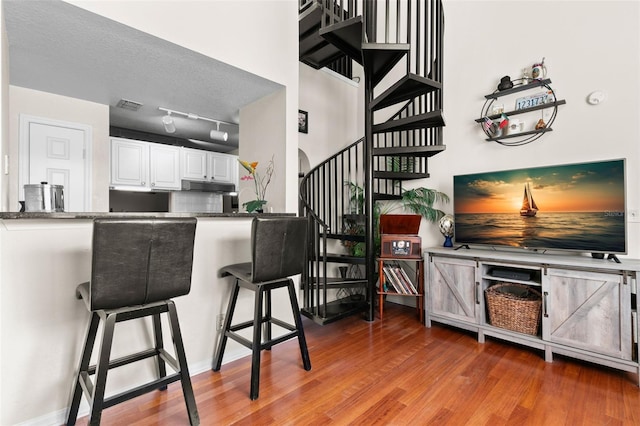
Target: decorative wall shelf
525	136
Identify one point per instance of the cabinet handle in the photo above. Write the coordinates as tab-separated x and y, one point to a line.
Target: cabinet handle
545	311
144	183
205	176
153	184
477	293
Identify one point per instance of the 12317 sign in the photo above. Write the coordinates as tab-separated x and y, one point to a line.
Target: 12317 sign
532	100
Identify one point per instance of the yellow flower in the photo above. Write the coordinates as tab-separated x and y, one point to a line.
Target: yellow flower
250	167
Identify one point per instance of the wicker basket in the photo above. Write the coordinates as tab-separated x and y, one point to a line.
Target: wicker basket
514	307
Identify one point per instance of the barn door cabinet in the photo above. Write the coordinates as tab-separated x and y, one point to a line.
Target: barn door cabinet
587	310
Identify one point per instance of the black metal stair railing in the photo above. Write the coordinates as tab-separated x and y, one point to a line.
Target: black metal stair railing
403	126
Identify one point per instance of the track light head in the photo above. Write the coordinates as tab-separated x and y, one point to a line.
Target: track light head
169	125
218	135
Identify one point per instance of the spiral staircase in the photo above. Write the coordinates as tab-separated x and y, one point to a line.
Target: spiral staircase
399	44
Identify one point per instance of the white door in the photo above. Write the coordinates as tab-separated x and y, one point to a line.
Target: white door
57	154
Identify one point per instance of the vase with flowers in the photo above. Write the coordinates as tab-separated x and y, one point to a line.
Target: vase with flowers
261	182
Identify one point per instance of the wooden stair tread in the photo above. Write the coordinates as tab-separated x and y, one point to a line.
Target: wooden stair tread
421	121
380	58
409	151
408	87
347	36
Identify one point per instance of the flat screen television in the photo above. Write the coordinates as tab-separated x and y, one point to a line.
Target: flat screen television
577	207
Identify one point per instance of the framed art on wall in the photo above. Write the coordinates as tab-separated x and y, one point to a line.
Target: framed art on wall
303	121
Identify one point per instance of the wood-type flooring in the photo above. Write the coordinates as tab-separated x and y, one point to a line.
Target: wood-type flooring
397	372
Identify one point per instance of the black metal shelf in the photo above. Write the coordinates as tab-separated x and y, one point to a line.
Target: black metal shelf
527	136
516	89
529	133
524	110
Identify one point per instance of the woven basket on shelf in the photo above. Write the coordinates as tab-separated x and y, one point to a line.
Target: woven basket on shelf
514	307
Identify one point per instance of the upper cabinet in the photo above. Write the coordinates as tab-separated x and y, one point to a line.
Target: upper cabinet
144	165
209	166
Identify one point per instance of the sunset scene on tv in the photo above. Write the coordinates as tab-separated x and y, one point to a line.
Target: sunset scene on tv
571	206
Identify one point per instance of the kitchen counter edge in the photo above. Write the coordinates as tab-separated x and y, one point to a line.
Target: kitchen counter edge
93	215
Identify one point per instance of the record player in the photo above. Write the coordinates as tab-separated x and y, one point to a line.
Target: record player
399	236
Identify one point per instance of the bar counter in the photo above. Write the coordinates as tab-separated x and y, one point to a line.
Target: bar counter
44	256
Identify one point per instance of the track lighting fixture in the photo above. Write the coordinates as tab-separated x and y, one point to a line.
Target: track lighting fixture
215	134
169	125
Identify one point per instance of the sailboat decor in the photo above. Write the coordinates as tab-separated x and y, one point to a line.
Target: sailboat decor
529	207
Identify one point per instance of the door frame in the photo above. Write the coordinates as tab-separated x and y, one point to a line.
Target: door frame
23	175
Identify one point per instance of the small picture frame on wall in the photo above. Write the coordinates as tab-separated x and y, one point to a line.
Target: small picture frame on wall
303	121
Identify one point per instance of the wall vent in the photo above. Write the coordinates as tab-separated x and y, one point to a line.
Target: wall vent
127	104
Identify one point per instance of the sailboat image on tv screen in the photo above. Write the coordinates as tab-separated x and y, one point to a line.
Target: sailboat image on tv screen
529	207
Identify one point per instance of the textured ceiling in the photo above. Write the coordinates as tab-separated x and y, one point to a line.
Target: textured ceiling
59	48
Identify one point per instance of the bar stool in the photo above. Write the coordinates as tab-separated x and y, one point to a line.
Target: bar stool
277	253
137	266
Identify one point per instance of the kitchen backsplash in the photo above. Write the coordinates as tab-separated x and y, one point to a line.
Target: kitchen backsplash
195	202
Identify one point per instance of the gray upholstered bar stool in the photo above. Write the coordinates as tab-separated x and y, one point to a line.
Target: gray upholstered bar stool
138	265
277	253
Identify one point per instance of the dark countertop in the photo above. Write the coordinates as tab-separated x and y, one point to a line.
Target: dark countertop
93	215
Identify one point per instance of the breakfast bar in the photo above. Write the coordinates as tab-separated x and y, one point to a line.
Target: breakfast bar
44	256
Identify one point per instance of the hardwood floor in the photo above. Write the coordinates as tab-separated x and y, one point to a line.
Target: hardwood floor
398	372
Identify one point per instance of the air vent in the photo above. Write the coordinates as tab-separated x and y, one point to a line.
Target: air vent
130	105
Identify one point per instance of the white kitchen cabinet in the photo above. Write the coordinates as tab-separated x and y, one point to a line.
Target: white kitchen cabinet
144	165
164	166
588	306
209	166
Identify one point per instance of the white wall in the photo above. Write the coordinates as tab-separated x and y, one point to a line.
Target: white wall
588	45
56	107
336	113
261	142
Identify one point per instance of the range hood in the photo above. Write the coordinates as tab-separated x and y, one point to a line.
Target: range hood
200	186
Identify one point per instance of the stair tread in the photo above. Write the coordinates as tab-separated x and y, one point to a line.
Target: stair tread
346	237
314	50
340	282
347	36
344	258
380	58
386	197
408	87
399	175
409	151
421	121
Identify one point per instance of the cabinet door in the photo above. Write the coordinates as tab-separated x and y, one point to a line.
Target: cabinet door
588	310
164	166
453	289
129	162
221	167
194	164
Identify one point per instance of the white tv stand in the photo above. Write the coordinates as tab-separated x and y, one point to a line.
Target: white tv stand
589	308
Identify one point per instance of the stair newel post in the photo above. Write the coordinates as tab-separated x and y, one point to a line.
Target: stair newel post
370	251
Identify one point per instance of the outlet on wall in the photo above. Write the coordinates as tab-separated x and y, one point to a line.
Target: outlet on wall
634	215
219	322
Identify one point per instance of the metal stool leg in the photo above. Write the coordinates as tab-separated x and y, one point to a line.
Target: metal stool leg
102	367
304	352
89	341
159	343
185	379
267	314
217	360
256	344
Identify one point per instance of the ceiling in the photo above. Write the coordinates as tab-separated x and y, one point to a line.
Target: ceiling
63	49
